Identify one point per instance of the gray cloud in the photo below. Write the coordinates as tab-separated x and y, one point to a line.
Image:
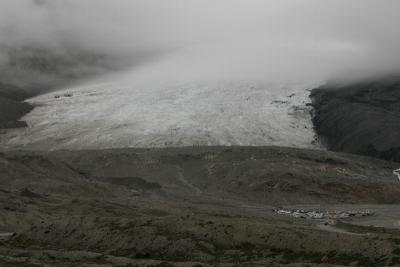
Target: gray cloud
252	38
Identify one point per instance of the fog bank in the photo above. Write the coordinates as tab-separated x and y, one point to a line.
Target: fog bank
198	39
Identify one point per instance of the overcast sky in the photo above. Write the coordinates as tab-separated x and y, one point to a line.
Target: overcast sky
228	37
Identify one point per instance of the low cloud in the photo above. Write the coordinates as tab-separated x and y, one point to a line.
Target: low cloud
203	38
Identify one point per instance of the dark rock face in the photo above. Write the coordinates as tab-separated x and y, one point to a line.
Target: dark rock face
361	118
12	107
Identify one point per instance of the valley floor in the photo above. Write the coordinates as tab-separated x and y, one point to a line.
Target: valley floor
203	206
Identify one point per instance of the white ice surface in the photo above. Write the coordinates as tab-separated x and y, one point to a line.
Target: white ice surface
177	114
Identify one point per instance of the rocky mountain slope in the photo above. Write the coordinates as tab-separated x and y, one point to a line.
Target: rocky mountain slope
207	206
361	118
12	107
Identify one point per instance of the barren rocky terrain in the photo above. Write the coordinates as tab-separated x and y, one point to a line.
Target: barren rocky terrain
209	206
194	206
361	117
199	133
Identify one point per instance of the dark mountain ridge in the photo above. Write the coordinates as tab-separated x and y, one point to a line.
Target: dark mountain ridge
12	107
361	118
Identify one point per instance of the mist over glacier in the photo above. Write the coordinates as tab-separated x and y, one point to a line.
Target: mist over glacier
253	37
215	72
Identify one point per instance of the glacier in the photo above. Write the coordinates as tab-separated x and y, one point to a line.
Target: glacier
154	114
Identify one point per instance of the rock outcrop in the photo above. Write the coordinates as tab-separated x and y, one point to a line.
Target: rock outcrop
12	107
361	118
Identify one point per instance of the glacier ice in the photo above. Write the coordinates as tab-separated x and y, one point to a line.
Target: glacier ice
111	115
